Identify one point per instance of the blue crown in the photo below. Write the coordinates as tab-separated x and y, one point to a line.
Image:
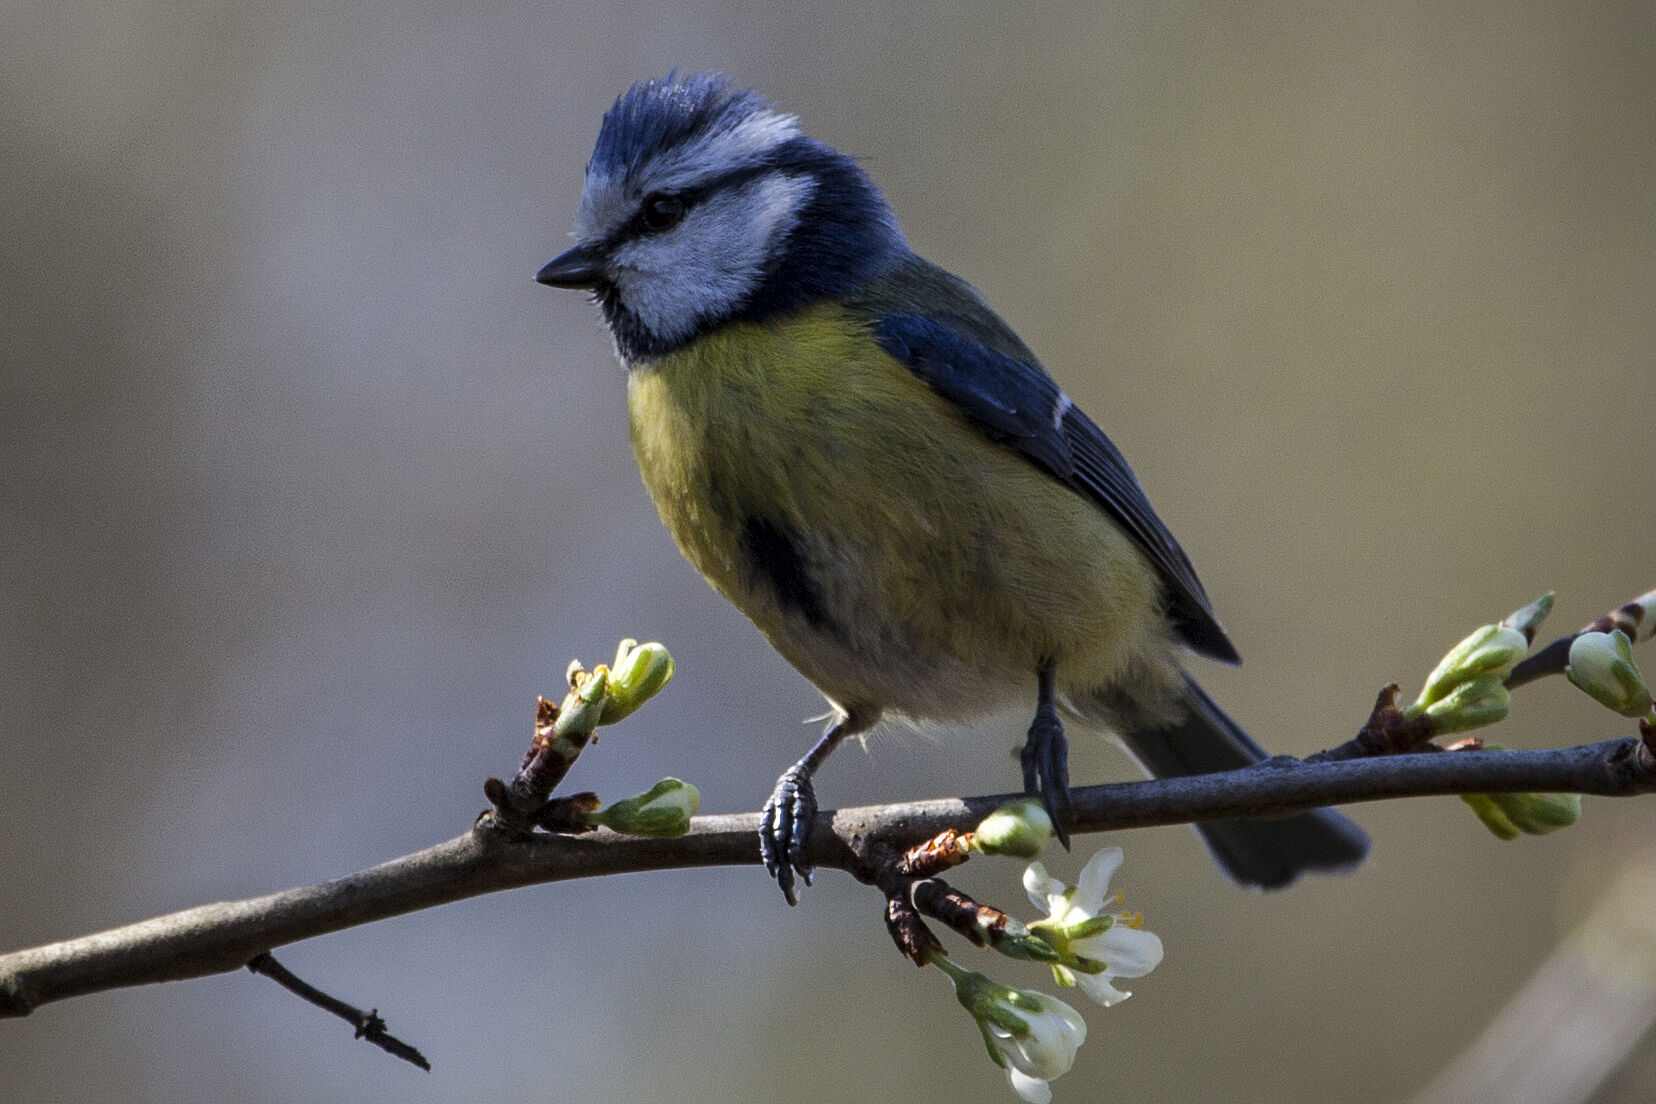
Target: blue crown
656	115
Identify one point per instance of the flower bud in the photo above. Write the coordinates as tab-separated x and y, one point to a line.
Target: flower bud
1020	827
639	671
1602	665
1017	941
1490	651
583	707
662	811
1540	813
1528	620
1030	1035
1510	815
1483	701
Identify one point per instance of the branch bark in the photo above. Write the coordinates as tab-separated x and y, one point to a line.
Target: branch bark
222	937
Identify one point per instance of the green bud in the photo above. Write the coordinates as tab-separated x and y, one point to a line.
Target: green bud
1540	813
1510	815
1483	701
977	993
662	811
1492	816
583	707
1020	827
1021	943
1602	665
639	671
1490	651
1528	620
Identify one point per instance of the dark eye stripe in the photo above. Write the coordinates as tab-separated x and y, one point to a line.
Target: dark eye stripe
641	223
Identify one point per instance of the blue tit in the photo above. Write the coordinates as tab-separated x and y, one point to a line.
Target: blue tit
854	449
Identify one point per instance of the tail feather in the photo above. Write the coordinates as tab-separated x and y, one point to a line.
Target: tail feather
1268	854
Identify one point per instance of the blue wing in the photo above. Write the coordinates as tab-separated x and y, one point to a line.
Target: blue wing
1016	403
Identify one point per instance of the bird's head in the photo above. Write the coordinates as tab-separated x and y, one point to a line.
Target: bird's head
704	205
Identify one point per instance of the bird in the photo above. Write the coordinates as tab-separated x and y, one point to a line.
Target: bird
855	450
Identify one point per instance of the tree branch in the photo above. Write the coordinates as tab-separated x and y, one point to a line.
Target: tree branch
368	1024
226	936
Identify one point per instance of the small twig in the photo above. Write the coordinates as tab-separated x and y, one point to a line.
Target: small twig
944	851
913	937
368	1024
893	873
913	891
1633	618
522	804
1550	660
984	925
562	732
1387	732
1390	732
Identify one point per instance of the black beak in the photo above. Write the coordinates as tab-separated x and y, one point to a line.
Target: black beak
573	268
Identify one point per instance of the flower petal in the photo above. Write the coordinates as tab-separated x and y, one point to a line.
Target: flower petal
1098	987
1095	880
1045	892
1032	1089
1051	1033
1125	952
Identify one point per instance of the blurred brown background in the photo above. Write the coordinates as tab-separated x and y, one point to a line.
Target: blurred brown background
308	489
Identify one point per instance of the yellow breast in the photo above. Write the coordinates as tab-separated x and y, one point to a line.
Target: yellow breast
889	550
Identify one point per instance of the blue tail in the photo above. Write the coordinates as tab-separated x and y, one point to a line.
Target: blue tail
1268	854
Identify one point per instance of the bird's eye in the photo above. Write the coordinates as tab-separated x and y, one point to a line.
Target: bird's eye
661	211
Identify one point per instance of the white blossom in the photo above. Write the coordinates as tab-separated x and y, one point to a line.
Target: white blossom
1096	946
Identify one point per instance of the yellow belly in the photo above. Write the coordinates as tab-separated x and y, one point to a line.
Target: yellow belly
897	557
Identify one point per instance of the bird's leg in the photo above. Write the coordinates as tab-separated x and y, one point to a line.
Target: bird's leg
1045	755
785	822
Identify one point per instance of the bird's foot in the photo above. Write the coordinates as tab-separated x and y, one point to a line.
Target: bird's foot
1045	760
784	828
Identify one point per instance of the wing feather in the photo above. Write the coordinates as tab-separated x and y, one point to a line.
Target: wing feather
1013	401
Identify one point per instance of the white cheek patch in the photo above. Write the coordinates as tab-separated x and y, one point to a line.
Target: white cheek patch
710	263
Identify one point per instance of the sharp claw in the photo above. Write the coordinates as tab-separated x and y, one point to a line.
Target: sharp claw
785	823
784	830
785	881
1060	786
1052	808
767	844
1045	760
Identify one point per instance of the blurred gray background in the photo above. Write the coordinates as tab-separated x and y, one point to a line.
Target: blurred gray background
308	489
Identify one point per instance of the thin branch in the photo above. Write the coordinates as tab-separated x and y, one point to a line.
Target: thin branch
219	938
369	1026
1633	618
